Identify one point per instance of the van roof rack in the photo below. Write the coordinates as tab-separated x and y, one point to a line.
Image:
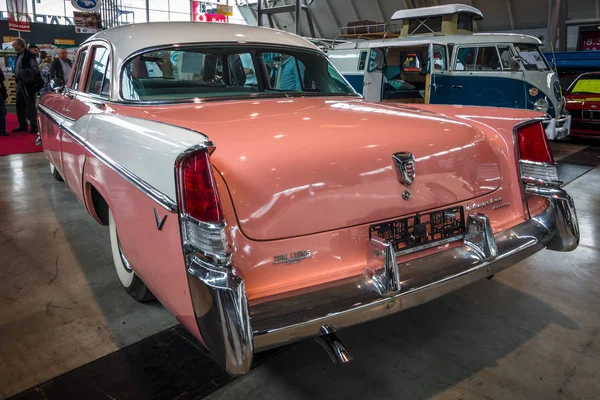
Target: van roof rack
365	29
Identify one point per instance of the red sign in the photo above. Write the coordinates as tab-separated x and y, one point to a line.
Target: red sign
206	12
17	15
591	41
204	17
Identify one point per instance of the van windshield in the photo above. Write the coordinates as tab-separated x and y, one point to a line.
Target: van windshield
533	59
180	73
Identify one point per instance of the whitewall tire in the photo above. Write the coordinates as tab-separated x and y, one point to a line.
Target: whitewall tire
55	173
132	283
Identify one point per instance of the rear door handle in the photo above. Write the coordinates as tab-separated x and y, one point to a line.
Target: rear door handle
457	86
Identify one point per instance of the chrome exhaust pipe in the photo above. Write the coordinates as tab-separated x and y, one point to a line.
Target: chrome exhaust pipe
333	345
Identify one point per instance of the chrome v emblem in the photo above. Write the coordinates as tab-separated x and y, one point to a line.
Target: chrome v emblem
159	221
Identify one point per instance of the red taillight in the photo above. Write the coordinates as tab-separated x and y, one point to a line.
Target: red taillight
533	144
199	196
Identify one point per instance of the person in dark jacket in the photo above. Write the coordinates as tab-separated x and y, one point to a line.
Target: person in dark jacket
61	66
29	82
3	96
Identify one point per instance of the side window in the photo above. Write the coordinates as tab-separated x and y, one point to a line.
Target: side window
78	69
477	59
487	59
362	60
506	56
376	60
285	71
99	78
439	58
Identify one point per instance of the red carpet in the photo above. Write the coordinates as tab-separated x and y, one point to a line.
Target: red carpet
17	143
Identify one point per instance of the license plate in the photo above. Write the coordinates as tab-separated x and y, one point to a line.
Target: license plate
422	231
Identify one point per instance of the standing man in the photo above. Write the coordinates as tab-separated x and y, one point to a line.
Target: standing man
61	66
29	82
35	50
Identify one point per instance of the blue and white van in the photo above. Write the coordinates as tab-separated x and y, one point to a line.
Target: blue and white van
487	69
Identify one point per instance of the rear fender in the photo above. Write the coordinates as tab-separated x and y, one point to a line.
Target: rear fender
131	163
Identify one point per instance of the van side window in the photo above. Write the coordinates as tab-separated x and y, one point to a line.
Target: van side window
465	21
477	59
362	60
439	58
506	56
427	25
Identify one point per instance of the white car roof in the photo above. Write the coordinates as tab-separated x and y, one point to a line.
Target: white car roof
475	39
436	11
129	39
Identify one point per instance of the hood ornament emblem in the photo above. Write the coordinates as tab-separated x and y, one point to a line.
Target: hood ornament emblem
405	167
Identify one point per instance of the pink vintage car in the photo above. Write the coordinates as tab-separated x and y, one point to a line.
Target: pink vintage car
262	201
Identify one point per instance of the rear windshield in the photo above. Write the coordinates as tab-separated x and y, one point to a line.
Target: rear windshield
586	86
533	59
207	72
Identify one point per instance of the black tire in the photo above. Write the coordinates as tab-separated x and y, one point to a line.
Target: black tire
55	174
133	284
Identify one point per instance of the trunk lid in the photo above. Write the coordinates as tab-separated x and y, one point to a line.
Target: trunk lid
301	166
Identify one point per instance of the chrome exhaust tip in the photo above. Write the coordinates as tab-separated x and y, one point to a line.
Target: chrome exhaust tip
333	345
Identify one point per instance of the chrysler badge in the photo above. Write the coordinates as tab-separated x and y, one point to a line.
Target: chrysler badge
405	167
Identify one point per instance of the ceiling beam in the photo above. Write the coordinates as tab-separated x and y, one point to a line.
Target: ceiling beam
334	16
511	16
597	8
354	10
383	18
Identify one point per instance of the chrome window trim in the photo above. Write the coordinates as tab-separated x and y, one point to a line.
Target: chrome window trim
118	90
149	190
93	46
69	84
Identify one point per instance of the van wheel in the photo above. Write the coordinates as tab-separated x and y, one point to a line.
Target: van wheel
132	283
55	173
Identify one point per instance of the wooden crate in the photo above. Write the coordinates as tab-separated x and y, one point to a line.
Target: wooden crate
11	90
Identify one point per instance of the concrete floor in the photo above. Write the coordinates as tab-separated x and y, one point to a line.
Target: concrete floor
533	332
61	304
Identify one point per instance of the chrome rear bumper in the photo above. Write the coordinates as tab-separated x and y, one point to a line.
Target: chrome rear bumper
232	329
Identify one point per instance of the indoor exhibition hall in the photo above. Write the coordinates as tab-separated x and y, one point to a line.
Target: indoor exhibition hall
300	199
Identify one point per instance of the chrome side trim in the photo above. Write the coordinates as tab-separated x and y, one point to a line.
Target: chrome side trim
150	191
